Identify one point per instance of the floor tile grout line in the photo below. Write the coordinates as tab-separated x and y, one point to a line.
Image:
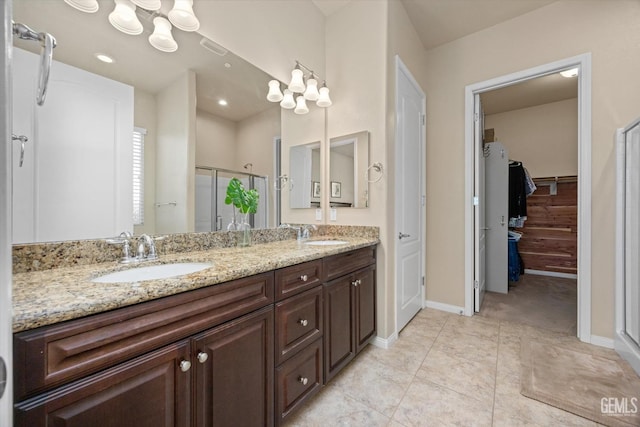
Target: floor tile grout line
416	372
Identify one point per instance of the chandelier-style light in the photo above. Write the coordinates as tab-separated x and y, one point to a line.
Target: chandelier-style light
124	19
297	92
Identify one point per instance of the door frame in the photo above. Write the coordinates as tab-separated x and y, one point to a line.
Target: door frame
401	67
6	332
583	63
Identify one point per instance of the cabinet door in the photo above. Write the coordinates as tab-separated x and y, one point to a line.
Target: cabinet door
234	381
151	390
339	344
365	300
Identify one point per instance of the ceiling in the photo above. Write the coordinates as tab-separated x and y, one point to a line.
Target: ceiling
438	22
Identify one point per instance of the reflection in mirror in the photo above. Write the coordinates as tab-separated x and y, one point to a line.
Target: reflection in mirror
173	98
348	160
304	170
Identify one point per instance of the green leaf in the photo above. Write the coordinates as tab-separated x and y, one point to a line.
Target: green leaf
244	200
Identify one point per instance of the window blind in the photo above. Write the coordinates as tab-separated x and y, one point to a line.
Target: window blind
138	175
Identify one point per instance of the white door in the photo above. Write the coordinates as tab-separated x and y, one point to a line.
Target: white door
627	337
496	213
480	243
410	197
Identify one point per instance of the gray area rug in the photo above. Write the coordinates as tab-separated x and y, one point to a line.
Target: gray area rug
594	386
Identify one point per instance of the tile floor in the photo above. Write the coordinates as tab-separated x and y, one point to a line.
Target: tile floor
444	369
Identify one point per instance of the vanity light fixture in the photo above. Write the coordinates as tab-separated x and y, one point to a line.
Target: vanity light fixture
297	93
87	6
162	39
124	19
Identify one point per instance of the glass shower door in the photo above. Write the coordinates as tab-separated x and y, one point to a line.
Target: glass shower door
632	234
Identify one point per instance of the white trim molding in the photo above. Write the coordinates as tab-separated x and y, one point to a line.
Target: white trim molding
550	274
602	341
583	63
385	343
444	307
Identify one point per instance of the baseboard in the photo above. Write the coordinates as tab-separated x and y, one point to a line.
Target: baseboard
550	273
444	307
384	343
602	341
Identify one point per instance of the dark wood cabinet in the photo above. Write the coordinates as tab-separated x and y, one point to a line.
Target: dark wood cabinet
248	352
148	391
350	318
234	372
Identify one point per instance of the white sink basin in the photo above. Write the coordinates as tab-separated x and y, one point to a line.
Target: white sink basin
152	272
325	242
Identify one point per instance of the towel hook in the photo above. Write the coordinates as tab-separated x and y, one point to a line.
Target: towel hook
377	167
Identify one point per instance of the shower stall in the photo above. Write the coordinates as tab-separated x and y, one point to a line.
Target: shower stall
212	214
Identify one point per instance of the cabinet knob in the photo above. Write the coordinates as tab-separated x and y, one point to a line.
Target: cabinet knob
185	365
202	357
304	277
356	282
303	322
303	380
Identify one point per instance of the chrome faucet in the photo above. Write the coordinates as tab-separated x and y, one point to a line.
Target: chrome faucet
142	253
306	231
298	229
150	254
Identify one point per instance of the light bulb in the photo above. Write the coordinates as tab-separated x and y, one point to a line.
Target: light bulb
162	39
182	16
569	73
287	100
324	100
87	6
124	18
297	82
311	93
301	105
274	94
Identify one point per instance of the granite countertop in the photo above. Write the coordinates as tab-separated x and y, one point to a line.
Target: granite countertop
50	296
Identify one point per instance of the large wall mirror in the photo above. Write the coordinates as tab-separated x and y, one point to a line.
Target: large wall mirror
202	112
304	170
348	162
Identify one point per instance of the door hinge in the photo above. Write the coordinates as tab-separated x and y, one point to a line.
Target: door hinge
424	200
476	117
424	119
475	284
422	280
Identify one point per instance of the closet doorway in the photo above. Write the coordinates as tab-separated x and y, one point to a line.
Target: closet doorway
576	169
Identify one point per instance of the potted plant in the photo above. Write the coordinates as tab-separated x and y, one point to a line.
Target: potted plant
246	201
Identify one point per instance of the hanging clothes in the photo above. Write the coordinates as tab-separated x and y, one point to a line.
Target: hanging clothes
517	190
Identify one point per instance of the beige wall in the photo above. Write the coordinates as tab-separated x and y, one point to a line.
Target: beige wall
544	137
607	29
216	144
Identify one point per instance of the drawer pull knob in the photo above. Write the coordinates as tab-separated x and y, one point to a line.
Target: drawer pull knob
303	322
202	357
304	277
185	365
303	380
356	282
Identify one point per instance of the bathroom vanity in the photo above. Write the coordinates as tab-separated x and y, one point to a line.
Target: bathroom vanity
247	351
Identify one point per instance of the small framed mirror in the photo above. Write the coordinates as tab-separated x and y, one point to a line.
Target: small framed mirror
304	172
348	161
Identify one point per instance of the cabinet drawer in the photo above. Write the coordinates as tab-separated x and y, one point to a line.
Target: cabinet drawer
298	379
341	264
297	278
298	322
52	355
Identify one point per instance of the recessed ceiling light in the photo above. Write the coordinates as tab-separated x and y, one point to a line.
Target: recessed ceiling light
569	73
104	58
223	102
227	65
